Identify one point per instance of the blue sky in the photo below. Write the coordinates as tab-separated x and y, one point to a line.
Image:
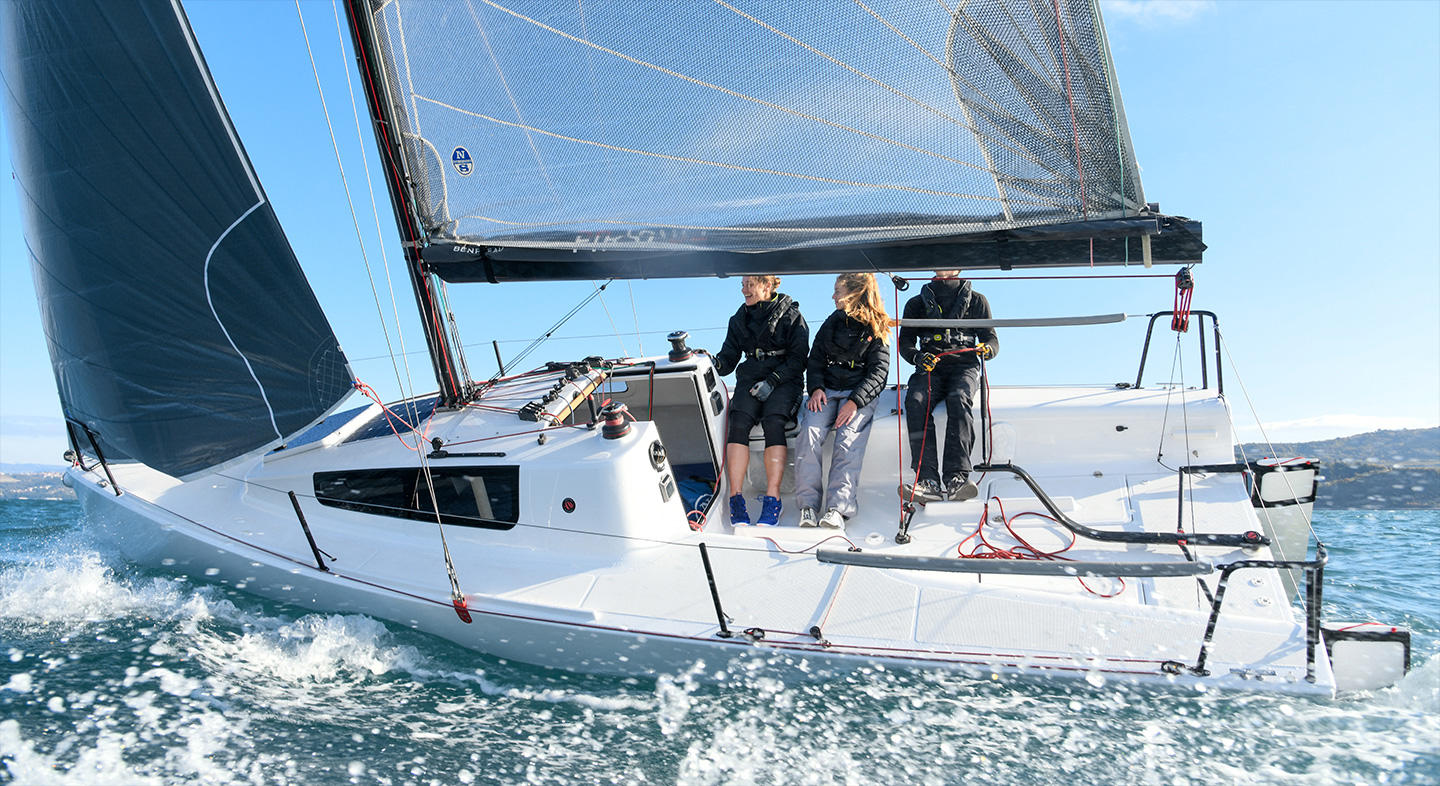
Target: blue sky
1305	135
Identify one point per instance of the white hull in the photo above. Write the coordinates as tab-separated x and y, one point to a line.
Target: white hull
618	585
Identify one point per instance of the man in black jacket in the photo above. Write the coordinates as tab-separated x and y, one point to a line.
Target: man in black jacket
947	369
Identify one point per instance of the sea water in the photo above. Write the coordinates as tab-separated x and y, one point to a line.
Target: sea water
113	674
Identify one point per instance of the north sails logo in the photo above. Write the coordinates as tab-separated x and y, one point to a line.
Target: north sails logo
462	162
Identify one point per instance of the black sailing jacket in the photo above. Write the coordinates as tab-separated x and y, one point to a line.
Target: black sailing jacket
775	328
847	356
951	299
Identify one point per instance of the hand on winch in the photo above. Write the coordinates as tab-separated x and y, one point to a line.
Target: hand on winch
761	390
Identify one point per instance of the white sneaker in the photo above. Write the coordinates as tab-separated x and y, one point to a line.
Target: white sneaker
832	520
807	517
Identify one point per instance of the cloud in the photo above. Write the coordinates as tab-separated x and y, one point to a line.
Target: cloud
1157	11
1328	427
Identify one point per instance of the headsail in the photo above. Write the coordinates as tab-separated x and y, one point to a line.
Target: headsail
180	325
612	138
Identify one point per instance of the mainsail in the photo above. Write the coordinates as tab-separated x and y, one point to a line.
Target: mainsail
582	140
181	328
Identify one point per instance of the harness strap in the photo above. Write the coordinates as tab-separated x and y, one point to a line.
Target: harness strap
948	336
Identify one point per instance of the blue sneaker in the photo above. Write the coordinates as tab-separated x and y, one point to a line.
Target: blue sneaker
739	516
769	512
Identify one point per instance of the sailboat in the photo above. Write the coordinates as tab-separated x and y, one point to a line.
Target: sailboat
564	514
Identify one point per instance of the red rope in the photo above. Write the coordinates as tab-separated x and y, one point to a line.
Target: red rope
697	517
1364	624
899	406
1184	288
931	413
391	417
984	549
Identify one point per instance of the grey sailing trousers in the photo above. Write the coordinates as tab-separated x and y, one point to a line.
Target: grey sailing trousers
845	460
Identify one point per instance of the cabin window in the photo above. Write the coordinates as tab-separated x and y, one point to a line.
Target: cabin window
486	497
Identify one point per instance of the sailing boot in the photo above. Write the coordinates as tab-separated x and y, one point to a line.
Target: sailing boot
959	488
769	512
739	516
922	492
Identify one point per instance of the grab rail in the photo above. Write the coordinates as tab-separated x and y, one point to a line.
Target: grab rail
1314	585
1172	538
1093	319
1014	567
1204	365
94	443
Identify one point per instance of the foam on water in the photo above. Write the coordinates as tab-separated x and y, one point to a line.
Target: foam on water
109	674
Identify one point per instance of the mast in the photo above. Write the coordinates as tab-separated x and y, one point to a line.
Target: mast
445	355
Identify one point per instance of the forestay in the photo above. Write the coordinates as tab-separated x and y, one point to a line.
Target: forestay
182	331
552	140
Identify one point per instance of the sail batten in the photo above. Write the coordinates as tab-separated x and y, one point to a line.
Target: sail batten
181	329
732	129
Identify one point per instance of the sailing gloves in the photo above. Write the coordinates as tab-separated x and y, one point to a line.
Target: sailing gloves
761	390
927	361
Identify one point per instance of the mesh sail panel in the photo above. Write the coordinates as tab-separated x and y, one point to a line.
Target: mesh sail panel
753	126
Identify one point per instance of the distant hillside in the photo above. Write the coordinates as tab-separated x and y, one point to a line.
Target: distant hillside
33	485
1379	470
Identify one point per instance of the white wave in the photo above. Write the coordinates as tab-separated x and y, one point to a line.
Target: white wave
75	588
102	763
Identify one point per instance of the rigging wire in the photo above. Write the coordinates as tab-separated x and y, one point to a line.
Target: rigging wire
344	179
614	327
1263	435
406	385
535	344
635	315
457	596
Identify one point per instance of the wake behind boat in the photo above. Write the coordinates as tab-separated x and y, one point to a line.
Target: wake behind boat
566	516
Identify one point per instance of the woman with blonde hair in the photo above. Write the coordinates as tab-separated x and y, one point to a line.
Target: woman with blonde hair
849	363
772	337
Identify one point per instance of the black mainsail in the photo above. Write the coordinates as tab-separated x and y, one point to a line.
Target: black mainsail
616	139
181	328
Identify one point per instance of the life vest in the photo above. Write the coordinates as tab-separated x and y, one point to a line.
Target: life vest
850	355
751	344
937	340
